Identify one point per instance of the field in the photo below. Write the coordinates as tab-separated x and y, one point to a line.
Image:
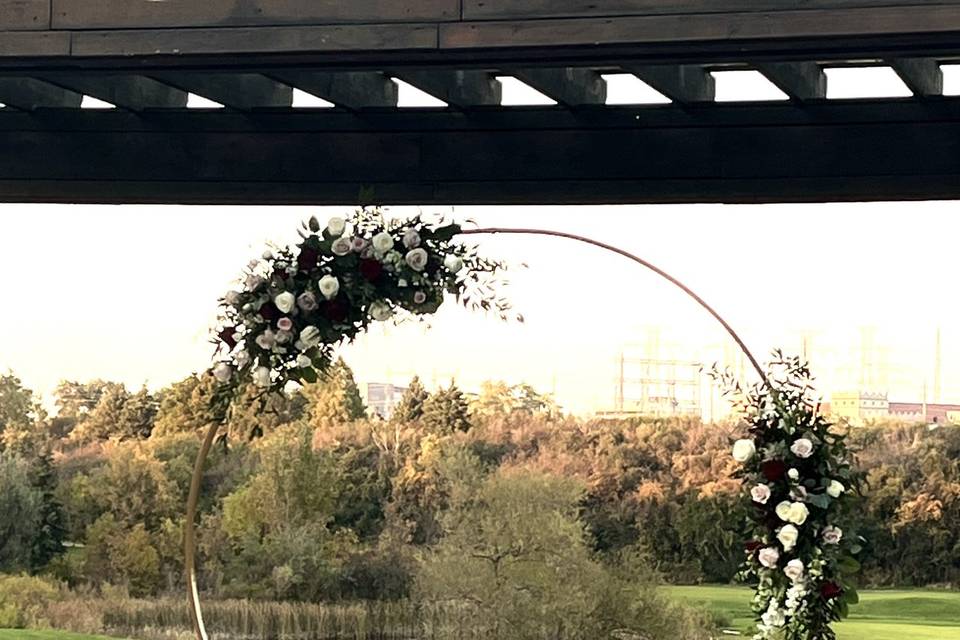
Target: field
26	634
881	615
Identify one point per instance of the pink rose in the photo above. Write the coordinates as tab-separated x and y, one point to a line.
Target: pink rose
285	324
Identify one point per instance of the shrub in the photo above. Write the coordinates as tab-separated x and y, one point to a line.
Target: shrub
24	600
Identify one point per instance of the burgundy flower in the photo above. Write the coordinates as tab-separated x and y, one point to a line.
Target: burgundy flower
307	260
753	546
371	269
774	470
830	590
335	310
280	275
226	337
269	311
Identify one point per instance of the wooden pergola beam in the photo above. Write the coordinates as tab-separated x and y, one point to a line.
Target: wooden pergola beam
802	81
353	90
923	76
243	91
461	89
135	93
29	94
570	86
683	84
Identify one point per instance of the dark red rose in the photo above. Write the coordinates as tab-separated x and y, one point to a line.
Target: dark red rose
270	312
830	590
335	310
307	260
226	337
753	546
774	470
371	269
281	274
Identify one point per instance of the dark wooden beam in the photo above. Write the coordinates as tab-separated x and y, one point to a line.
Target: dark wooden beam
684	84
571	87
825	151
24	14
802	81
126	92
29	94
242	91
461	89
354	90
923	76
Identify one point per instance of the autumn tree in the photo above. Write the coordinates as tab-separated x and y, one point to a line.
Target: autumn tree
446	411
335	398
410	407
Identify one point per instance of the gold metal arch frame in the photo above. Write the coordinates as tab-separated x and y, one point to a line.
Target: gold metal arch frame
190	540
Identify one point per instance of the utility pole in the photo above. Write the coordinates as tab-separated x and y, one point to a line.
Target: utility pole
937	369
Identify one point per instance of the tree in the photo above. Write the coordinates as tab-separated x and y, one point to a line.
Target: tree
18	413
500	399
120	555
21	509
137	416
446	411
410	407
104	420
51	528
336	398
184	406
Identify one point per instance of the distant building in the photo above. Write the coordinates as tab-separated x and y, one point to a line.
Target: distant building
382	398
858	407
926	412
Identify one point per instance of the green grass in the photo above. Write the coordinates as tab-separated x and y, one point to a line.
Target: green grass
29	634
881	615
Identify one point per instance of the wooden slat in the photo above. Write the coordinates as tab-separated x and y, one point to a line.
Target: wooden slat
923	76
29	94
126	14
354	90
457	88
182	42
127	92
684	84
240	91
570	87
516	9
731	27
801	81
34	43
24	14
765	153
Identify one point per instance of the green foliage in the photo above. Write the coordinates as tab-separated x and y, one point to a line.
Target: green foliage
446	411
335	399
21	506
410	407
498	399
24	599
20	417
121	555
51	528
118	414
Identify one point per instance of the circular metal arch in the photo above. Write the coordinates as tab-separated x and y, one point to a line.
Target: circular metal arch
189	537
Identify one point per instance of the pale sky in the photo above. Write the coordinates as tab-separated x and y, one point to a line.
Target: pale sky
129	293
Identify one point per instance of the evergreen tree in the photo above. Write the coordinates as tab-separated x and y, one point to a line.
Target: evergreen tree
447	411
104	420
50	534
335	398
410	407
137	416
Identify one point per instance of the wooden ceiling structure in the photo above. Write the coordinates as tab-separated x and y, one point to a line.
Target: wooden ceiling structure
146	56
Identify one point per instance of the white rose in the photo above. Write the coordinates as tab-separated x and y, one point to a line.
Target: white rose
774	618
794	570
788	536
411	239
380	311
793	474
261	377
223	372
310	337
832	535
268	255
760	494
232	298
253	282
453	263
283	337
743	450
329	287
769	557
383	242
341	246
417	259
303	361
835	489
798	513
783	510
285	301
266	340
802	448
335	226
242	359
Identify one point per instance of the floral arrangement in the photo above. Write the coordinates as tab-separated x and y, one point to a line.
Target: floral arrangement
800	480
296	304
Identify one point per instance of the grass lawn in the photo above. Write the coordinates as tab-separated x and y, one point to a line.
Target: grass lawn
29	634
881	615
